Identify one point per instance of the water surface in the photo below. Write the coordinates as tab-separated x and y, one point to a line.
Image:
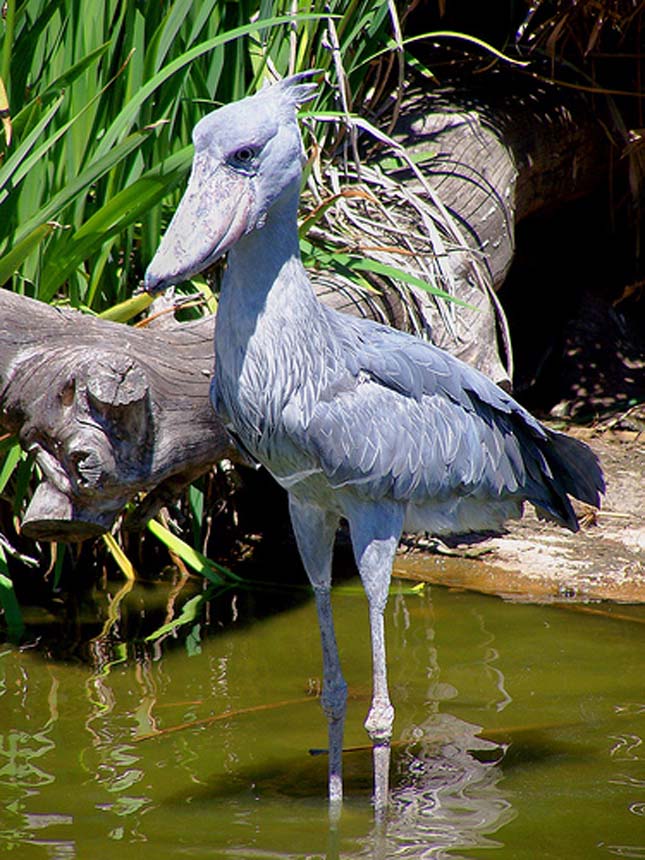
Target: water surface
519	734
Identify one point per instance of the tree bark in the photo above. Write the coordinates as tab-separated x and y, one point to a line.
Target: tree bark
111	412
108	411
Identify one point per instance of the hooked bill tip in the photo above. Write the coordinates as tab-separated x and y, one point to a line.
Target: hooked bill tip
153	284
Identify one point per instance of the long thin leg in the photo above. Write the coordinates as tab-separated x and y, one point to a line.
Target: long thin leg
315	531
375	531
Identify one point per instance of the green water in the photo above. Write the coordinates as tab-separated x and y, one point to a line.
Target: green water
556	772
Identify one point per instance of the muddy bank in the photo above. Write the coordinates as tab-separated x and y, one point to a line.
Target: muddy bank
605	560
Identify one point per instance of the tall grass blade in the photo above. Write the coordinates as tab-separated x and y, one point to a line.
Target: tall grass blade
5	113
17	166
364	264
190	612
85	179
11	262
120	557
122	210
9	602
127	310
126	116
11	459
215	573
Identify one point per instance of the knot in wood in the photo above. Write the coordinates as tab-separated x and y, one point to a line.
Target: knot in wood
117	381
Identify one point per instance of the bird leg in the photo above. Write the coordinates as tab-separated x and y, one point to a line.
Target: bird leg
315	531
375	536
334	696
380	717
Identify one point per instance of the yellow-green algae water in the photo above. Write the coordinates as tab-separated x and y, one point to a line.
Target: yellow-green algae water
519	734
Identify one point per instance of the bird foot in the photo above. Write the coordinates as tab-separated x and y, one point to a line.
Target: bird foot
381	756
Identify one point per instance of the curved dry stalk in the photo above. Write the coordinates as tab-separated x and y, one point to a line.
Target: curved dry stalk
409	228
218	718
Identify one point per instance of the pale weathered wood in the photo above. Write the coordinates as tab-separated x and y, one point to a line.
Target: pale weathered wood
107	410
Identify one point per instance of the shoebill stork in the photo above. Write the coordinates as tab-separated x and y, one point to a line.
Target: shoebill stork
354	419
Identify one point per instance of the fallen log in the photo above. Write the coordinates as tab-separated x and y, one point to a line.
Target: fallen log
108	411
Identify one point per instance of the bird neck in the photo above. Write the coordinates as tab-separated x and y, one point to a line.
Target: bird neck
264	274
266	296
267	310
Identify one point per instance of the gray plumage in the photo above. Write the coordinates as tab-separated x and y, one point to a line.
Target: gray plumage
352	418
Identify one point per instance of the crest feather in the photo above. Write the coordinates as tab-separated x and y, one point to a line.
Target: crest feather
297	89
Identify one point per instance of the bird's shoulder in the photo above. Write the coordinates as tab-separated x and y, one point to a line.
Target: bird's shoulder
413	368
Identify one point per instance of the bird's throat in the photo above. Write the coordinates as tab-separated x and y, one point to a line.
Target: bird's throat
267	311
265	282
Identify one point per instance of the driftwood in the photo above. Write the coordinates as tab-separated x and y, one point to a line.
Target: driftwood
111	412
107	410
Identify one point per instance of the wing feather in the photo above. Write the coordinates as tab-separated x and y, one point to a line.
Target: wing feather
409	421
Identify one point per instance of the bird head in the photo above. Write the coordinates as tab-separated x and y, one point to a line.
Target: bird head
247	154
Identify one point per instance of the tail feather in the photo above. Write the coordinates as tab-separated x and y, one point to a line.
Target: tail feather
573	470
578	468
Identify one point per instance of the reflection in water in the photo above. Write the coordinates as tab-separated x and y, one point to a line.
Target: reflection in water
447	794
500	698
447	798
116	767
24	771
75	783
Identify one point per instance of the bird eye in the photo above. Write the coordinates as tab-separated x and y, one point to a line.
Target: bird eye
244	155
